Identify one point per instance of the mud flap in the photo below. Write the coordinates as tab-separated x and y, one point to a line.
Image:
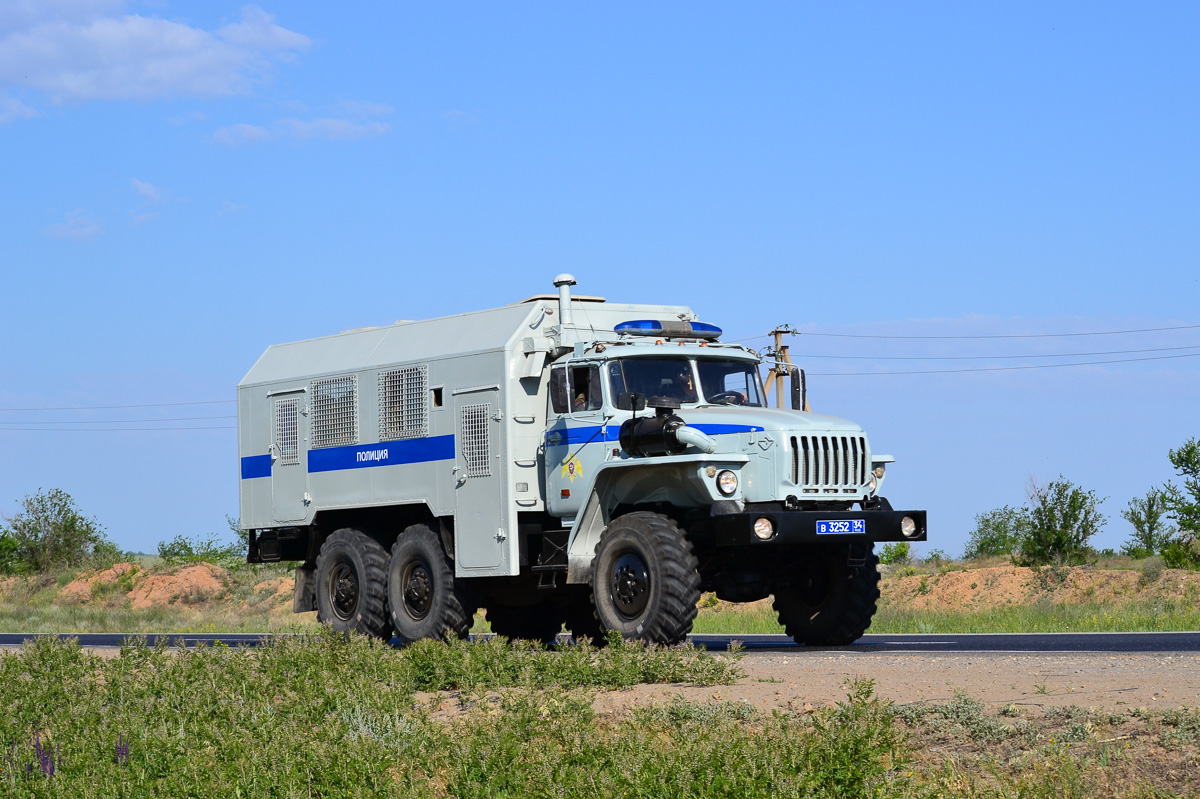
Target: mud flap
304	598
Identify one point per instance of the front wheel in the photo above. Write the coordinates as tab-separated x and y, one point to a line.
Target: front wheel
424	600
828	602
351	580
645	580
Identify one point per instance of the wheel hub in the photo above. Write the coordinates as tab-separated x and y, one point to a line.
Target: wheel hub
418	590
630	582
344	591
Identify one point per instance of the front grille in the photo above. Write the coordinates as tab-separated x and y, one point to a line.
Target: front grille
829	462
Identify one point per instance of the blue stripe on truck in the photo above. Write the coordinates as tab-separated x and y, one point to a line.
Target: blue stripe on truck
256	466
389	453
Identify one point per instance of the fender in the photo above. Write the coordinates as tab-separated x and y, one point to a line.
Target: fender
678	479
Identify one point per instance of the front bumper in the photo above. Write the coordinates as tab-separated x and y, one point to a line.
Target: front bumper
800	526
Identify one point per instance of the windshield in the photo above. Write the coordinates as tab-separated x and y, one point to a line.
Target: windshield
653	377
729	382
722	382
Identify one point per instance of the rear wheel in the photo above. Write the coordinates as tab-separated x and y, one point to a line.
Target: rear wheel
424	601
827	602
645	582
351	584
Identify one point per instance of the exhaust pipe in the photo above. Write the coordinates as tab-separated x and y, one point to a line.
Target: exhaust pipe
563	283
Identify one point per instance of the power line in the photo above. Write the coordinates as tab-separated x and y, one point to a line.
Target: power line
988	357
1015	335
114	407
109	429
127	421
998	336
1003	368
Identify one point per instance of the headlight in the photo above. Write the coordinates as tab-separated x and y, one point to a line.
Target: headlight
763	528
878	470
727	482
908	527
871	486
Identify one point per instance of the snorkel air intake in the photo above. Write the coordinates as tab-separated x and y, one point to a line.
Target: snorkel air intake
665	433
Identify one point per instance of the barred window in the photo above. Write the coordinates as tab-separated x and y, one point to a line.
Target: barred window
287	435
402	407
476	448
335	411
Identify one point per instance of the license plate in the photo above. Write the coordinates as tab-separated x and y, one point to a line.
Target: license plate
845	526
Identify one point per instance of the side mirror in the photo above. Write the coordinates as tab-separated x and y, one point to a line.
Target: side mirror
630	401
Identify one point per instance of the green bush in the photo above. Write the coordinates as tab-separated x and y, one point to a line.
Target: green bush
50	532
897	553
1150	532
1183	504
1062	517
997	532
1180	555
8	553
209	549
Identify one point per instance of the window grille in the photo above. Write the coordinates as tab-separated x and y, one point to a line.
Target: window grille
335	411
473	430
287	432
402	408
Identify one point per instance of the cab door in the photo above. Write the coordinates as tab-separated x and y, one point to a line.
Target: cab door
577	436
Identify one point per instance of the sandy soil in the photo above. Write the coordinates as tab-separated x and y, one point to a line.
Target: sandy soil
977	589
810	680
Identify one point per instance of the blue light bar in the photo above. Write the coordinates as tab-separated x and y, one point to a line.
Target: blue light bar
668	329
640	327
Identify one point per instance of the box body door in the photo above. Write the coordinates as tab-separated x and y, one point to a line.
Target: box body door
289	472
482	521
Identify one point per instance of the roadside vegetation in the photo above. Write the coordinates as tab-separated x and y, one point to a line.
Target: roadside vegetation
327	715
1031	569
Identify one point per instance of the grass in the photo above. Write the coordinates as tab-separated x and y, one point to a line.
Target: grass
326	715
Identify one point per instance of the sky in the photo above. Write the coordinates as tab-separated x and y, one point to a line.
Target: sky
939	196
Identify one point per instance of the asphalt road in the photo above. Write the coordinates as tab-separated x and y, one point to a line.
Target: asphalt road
1027	643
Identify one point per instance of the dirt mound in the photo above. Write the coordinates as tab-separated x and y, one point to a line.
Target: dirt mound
86	586
976	589
189	585
275	594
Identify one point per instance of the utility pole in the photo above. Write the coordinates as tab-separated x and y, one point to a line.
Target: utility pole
783	365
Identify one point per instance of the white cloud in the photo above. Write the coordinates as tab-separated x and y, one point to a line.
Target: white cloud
325	128
138	219
258	31
89	53
228	207
363	109
461	117
183	119
150	192
241	134
77	225
12	108
334	129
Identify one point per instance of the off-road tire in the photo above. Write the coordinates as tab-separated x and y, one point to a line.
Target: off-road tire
351	586
829	603
422	595
541	622
645	579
